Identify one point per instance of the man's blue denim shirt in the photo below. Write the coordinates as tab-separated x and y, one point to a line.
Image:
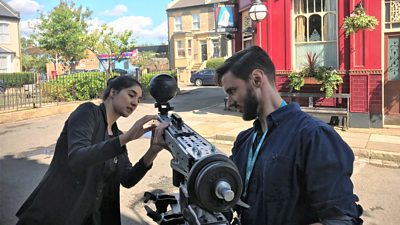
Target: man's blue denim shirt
302	173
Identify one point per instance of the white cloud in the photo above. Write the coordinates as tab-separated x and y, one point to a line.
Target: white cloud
27	26
25	6
94	24
142	28
118	10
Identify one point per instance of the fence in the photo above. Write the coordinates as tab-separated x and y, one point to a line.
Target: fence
30	90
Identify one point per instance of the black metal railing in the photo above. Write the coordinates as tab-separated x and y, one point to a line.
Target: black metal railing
32	90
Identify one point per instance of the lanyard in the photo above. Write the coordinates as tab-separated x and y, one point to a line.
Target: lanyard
251	159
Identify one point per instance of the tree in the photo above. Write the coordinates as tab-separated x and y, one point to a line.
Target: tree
105	40
62	32
33	61
145	59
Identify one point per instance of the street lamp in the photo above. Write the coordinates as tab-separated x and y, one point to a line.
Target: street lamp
258	11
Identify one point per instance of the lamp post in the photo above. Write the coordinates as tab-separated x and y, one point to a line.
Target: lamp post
258	11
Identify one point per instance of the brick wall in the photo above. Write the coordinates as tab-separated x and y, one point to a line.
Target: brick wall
359	95
375	93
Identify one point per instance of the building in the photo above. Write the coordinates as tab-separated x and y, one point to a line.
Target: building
192	35
368	60
10	48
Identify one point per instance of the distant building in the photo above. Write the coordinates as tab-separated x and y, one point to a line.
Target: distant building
10	48
192	35
160	50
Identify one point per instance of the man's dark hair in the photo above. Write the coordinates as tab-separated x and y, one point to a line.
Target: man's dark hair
118	83
242	63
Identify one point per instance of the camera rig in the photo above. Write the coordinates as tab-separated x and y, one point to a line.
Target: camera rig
209	182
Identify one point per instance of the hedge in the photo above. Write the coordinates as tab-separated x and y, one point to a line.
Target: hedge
214	63
79	86
17	79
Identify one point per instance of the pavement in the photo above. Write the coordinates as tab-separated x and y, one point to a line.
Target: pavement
379	146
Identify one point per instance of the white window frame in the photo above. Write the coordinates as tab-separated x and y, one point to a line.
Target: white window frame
189	47
180	48
196	22
390	23
308	15
178	23
7	67
6	33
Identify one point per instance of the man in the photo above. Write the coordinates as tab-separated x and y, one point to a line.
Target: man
296	169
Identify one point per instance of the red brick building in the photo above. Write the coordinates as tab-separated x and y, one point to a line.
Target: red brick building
368	60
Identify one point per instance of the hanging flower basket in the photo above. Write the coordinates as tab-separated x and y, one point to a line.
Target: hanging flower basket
359	20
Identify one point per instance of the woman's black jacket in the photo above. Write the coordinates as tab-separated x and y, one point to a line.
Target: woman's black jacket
68	192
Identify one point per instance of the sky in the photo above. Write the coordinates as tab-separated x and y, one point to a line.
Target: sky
146	18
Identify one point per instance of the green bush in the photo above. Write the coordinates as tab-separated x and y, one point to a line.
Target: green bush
79	86
18	79
215	63
146	78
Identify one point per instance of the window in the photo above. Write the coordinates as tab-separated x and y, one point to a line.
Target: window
3	63
180	48
178	23
4	33
392	15
196	22
315	30
216	47
189	49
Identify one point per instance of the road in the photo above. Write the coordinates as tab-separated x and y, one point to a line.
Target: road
26	147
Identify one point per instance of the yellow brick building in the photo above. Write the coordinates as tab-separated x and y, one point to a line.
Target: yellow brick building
192	35
10	50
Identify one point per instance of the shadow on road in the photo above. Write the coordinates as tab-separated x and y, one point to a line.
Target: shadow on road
18	178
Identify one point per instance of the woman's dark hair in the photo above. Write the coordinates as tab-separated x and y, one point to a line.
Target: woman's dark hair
242	63
118	83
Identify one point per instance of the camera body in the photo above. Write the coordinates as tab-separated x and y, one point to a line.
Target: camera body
209	182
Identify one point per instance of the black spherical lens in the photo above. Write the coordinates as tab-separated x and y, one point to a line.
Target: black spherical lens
163	87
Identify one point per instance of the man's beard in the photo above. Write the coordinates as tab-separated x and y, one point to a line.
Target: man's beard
250	107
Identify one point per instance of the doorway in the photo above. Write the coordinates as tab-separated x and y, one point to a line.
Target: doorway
392	79
203	51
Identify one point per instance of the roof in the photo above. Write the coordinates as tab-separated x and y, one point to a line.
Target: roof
178	4
153	48
7	11
4	50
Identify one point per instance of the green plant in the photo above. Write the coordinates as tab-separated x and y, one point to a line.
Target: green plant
329	80
328	77
79	86
296	81
215	63
311	65
359	20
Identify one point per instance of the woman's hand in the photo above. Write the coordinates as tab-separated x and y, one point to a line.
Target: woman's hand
157	144
137	130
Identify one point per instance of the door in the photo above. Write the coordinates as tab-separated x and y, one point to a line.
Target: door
392	79
209	77
203	51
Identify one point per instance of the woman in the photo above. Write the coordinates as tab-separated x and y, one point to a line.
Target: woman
90	161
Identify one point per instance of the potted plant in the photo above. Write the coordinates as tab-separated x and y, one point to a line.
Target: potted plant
330	80
359	20
327	77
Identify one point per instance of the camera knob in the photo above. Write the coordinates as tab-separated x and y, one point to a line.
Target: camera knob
223	191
